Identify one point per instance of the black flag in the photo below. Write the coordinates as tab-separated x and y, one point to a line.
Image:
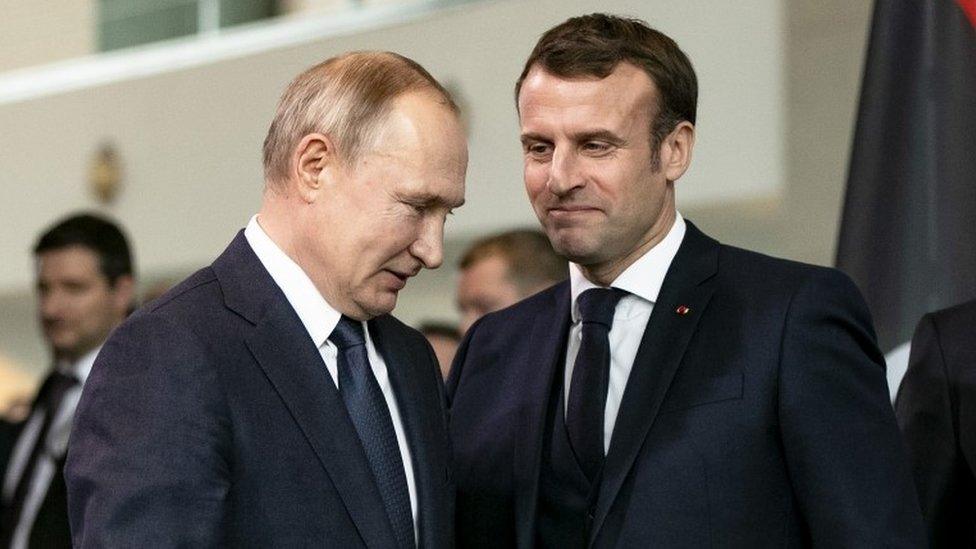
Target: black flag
908	233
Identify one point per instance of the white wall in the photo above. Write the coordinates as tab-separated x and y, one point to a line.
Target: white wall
42	31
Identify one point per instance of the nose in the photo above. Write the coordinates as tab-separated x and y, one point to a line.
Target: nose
564	173
429	245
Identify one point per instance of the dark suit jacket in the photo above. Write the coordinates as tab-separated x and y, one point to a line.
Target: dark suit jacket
209	419
758	419
50	528
936	409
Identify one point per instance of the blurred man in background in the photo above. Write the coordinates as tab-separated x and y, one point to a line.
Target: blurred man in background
501	269
84	290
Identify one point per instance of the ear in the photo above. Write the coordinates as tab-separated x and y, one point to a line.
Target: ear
676	150
314	154
123	294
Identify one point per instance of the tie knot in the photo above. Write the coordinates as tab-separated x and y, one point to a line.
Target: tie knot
348	333
597	305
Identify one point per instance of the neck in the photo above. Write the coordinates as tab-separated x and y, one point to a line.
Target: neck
282	221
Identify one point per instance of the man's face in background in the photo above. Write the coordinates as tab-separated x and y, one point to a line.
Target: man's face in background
77	305
485	287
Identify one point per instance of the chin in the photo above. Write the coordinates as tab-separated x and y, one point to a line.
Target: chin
577	251
379	306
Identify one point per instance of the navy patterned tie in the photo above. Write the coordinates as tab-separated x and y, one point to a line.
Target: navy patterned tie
591	375
367	408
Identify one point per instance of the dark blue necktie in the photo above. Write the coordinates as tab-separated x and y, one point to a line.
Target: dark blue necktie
367	408
591	376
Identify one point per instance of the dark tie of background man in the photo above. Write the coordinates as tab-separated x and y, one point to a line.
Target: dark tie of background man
369	413
51	396
591	376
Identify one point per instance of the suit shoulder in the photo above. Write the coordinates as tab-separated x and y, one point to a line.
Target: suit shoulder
766	271
188	290
957	317
742	258
193	309
955	330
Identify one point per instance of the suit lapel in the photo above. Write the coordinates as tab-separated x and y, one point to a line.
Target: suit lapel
688	284
413	377
547	347
289	359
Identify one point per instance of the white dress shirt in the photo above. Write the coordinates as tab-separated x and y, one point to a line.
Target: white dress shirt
319	319
54	449
642	280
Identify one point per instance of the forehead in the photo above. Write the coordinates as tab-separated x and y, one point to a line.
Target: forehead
72	262
626	93
424	141
488	270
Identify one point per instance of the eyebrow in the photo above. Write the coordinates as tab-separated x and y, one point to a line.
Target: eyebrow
429	199
598	135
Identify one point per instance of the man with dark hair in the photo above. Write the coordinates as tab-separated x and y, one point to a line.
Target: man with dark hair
84	290
270	400
503	268
675	392
936	410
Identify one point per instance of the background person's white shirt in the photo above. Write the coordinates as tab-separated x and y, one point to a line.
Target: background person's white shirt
319	319
642	280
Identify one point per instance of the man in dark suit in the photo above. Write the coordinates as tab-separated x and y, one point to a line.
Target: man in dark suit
270	400
675	392
84	290
935	412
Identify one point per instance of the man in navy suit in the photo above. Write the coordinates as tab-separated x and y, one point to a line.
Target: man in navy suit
270	400
675	392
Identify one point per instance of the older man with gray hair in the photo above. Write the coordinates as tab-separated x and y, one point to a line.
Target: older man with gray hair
270	400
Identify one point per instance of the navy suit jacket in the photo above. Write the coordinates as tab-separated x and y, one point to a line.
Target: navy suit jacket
759	418
209	419
936	408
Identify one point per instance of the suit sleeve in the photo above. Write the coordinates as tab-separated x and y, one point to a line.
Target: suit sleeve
926	413
148	459
844	452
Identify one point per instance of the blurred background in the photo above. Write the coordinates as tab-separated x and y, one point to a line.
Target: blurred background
153	112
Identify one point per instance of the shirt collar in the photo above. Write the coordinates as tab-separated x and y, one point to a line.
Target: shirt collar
81	367
644	277
318	317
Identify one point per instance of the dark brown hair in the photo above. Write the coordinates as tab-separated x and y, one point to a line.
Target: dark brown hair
593	45
532	263
96	233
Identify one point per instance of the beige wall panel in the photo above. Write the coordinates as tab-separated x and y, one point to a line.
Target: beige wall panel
42	31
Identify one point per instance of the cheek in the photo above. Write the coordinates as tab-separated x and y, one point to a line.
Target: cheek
535	175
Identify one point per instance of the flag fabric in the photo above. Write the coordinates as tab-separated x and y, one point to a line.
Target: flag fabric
908	231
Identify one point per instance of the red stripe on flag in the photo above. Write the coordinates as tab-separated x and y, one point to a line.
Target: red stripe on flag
969	6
